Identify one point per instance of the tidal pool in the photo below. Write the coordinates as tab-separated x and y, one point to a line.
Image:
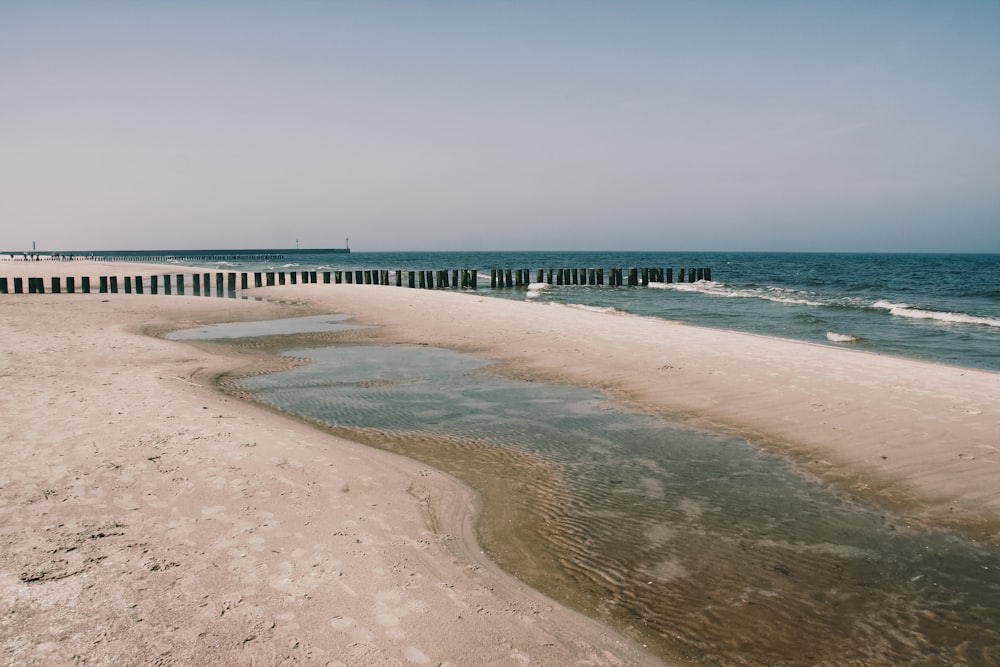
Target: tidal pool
700	545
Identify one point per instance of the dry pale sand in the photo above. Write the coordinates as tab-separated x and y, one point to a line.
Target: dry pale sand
146	519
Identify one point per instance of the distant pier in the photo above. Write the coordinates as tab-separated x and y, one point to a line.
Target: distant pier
227	255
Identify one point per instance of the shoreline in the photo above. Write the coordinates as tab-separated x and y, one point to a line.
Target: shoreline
148	516
931	456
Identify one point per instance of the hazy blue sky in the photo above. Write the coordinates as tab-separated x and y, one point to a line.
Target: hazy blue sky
481	125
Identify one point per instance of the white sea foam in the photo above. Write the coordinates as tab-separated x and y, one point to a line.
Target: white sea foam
906	310
535	289
835	337
594	309
773	294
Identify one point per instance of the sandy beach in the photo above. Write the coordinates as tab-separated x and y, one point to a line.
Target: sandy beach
150	519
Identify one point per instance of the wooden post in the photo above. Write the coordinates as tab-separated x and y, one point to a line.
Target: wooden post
359	277
326	277
708	274
114	284
312	276
128	284
231	283
85	284
56	285
18	286
412	279
138	284
3	286
691	275
70	285
399	277
680	275
179	280
292	278
196	284
166	284
645	277
423	279
206	283
281	277
257	282
218	284
338	277
244	282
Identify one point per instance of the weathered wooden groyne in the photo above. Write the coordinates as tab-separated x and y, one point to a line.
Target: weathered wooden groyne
225	283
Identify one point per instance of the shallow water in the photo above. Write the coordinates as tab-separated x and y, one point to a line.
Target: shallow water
704	546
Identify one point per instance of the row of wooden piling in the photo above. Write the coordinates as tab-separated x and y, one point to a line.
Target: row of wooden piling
226	283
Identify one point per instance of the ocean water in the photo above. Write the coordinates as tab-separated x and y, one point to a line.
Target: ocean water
937	307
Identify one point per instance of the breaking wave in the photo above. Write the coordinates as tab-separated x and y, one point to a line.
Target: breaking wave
906	310
835	337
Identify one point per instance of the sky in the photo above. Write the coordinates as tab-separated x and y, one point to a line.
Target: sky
501	125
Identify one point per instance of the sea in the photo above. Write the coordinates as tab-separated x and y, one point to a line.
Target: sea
701	546
937	307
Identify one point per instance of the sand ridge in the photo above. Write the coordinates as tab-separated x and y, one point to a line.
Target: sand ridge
918	437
